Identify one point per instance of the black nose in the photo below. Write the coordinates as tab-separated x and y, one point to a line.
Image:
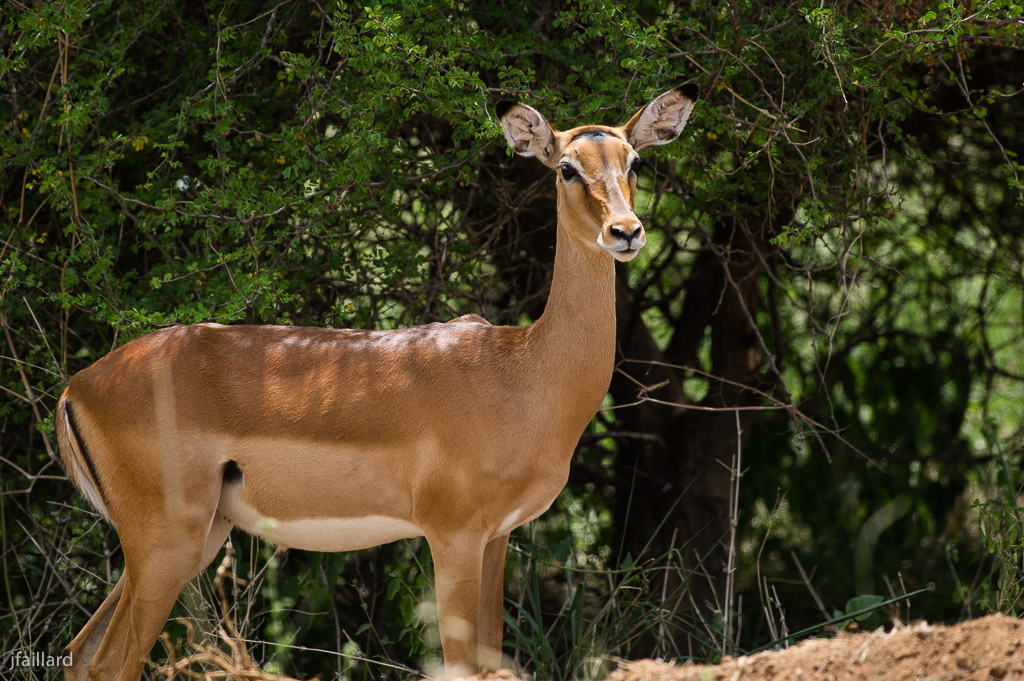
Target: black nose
623	234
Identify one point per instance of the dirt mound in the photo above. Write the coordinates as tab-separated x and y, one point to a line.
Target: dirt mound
979	650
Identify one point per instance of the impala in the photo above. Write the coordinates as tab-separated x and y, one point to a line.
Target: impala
335	440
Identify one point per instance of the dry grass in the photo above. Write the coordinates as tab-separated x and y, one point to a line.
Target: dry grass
208	660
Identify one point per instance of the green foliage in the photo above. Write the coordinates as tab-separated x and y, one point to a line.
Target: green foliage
1001	524
1002	528
596	615
860	608
280	630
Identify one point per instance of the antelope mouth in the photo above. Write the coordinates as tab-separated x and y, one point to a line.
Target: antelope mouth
625	255
624	249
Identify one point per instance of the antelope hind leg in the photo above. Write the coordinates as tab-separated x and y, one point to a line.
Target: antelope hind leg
83	648
137	615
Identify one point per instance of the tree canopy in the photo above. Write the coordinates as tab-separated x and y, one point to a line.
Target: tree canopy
831	302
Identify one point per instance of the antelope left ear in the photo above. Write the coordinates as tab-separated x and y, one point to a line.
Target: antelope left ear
663	118
527	132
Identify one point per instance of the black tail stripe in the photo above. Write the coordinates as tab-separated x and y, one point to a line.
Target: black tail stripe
85	452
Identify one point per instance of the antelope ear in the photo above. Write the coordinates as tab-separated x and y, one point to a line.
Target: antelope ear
527	132
663	118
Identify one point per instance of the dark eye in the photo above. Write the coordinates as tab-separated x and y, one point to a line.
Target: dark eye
636	165
568	172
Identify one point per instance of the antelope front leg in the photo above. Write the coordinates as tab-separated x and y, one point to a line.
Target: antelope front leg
492	598
458	564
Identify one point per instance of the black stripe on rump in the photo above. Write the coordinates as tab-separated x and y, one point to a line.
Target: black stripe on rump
75	433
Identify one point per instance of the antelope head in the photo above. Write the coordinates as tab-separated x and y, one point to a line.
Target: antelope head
597	165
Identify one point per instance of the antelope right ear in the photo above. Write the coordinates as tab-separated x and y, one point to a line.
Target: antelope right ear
662	119
527	132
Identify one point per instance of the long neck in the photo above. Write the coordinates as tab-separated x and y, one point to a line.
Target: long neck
575	337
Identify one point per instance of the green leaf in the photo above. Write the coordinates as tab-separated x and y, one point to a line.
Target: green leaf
863	602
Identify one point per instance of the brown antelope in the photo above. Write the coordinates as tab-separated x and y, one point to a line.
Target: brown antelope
335	440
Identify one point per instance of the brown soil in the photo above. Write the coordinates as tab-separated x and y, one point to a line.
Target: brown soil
978	650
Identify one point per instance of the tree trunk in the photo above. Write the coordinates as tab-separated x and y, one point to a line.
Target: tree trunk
674	482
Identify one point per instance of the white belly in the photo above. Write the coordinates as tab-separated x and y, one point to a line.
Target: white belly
315	533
